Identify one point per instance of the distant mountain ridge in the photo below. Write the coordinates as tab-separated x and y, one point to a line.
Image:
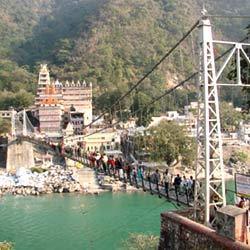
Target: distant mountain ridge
111	43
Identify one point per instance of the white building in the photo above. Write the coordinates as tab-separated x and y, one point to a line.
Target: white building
155	120
102	141
244	132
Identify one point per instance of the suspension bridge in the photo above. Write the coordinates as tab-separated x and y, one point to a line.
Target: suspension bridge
209	161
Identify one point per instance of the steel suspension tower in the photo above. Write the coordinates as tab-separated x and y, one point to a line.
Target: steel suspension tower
209	141
209	163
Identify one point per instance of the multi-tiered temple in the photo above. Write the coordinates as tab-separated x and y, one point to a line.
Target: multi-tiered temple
57	102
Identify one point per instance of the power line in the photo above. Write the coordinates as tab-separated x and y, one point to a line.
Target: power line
146	75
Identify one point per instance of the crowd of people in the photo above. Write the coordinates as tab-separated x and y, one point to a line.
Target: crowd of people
139	175
135	174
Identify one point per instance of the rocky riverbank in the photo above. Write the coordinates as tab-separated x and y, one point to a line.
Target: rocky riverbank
115	185
55	179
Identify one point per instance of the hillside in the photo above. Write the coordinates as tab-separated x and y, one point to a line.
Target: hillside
109	42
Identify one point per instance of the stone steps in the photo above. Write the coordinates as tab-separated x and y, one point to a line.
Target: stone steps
88	180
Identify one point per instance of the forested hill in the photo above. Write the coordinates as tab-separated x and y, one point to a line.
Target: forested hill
109	42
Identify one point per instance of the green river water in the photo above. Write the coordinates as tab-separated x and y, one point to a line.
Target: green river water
78	222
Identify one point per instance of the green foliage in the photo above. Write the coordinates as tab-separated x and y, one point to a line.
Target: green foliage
168	142
5	126
230	118
37	170
14	78
6	245
111	43
62	51
19	100
141	242
238	156
140	101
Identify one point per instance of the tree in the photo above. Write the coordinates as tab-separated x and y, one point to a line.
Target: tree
238	156
169	142
19	100
14	78
62	51
141	242
23	99
230	118
140	102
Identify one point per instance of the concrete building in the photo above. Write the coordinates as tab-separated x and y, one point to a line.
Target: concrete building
188	120
244	132
77	120
155	120
50	117
7	114
54	99
102	141
68	130
80	96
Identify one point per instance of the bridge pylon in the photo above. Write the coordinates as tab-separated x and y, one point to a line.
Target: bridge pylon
209	162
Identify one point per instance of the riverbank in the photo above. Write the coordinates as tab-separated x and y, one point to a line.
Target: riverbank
57	179
54	179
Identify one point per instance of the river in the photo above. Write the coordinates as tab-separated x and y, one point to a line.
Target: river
78	222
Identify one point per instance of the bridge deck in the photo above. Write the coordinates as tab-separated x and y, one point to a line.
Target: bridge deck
151	188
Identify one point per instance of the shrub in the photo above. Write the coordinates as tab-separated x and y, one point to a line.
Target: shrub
6	245
141	242
37	170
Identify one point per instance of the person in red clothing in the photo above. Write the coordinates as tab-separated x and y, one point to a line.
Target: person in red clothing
111	163
92	160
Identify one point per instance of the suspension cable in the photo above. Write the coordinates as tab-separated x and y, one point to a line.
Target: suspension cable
166	92
155	66
228	16
146	75
149	104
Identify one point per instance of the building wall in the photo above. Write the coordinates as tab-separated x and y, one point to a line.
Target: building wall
81	98
66	94
6	114
50	117
180	233
102	141
20	155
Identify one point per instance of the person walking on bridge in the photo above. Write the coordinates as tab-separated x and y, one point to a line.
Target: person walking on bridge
166	182
177	184
157	177
104	162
